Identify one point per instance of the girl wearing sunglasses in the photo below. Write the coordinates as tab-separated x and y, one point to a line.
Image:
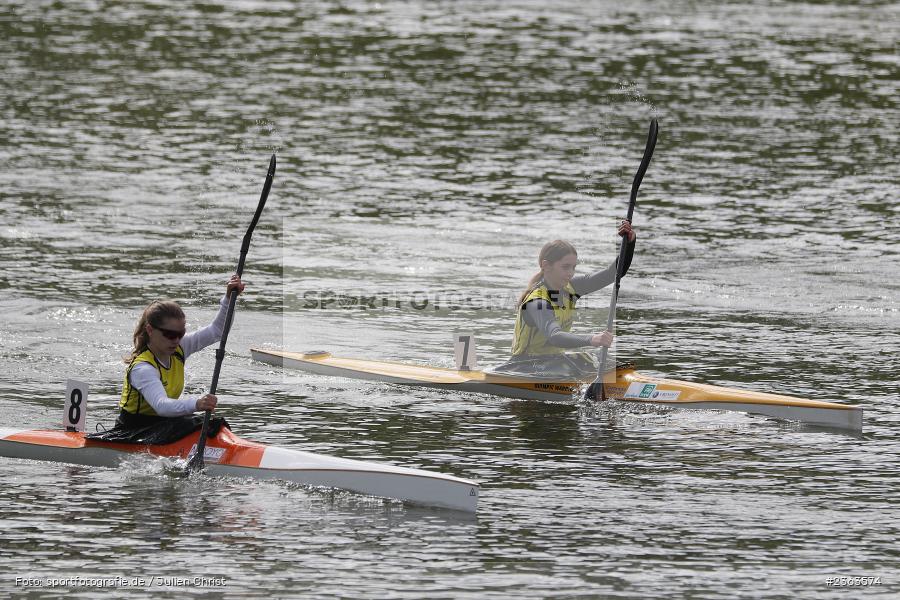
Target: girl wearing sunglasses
154	378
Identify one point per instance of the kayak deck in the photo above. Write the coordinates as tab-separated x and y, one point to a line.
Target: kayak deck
323	363
632	386
227	454
629	386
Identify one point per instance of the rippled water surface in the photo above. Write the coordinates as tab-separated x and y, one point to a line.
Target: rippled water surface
426	151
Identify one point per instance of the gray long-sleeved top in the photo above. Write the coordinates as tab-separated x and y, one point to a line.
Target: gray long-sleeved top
539	313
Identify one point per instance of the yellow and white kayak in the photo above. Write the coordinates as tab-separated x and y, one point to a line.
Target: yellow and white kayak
227	454
629	386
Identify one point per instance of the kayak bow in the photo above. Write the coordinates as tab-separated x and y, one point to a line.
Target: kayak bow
227	454
629	386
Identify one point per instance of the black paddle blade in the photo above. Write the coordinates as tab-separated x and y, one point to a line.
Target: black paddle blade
267	185
195	464
642	169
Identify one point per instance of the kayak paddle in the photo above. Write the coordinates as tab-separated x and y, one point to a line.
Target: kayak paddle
195	462
620	264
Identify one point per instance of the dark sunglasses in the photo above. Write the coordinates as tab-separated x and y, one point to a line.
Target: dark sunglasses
172	334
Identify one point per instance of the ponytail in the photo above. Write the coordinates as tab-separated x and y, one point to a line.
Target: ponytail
552	251
154	314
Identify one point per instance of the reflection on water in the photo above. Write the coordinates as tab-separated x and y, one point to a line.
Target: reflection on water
433	148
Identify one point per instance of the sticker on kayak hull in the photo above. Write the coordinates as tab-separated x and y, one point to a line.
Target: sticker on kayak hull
648	391
210	453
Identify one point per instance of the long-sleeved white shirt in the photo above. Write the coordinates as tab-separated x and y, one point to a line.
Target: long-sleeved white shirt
145	377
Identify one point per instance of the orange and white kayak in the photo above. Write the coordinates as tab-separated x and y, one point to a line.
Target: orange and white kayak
629	386
227	454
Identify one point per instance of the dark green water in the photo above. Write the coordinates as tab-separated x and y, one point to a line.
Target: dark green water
426	151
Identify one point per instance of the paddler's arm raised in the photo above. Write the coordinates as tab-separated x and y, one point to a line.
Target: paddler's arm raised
212	333
585	284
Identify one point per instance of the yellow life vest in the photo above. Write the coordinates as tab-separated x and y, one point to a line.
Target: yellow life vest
172	380
530	340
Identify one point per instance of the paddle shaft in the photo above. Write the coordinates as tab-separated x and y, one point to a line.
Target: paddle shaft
623	246
196	460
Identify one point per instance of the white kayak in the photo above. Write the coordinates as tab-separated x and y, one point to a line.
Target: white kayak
227	454
629	385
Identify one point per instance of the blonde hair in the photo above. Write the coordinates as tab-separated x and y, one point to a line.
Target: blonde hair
154	314
552	251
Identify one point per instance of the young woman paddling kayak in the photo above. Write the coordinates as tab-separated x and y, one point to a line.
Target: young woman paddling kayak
547	306
154	379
